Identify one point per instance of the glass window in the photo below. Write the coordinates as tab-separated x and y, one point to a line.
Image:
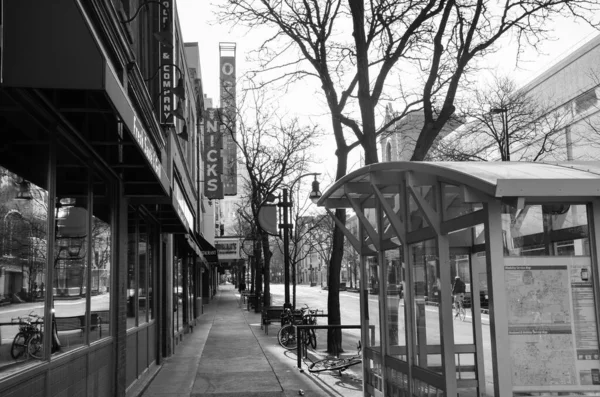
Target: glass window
142	244
425	269
24	259
373	301
132	220
71	248
101	260
177	294
395	304
151	264
417	219
545	230
454	205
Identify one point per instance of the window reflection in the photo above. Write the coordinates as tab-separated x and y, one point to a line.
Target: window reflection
23	261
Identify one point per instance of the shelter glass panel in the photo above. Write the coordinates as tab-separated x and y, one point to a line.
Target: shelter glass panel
23	249
71	263
454	204
463	327
416	218
425	273
395	305
373	274
551	306
546	230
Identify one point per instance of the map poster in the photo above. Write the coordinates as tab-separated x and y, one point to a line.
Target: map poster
540	325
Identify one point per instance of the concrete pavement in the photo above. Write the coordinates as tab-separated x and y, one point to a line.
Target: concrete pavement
229	355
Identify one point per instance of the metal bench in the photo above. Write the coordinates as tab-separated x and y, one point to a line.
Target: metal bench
268	314
78	323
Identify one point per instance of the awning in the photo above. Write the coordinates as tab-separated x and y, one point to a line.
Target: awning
88	83
208	250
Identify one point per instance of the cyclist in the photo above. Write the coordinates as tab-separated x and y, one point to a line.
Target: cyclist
458	291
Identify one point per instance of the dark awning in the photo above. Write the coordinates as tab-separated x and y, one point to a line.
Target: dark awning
208	250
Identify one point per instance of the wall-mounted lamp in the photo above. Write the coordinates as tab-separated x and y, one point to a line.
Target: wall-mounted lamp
179	90
183	134
165	37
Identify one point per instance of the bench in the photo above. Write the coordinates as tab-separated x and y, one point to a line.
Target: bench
268	314
78	323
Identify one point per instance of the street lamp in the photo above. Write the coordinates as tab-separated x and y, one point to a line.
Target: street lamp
503	111
314	195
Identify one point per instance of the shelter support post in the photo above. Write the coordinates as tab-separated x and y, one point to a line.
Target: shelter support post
498	317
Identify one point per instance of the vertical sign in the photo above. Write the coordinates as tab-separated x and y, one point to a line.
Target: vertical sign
213	161
166	61
228	105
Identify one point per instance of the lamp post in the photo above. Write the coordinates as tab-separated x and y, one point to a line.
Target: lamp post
314	195
503	111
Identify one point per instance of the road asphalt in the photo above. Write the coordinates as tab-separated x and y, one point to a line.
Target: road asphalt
228	355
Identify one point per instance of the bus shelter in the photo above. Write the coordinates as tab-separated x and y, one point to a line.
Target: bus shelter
523	238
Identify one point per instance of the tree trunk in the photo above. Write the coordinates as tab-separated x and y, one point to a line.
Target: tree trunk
334	337
267	270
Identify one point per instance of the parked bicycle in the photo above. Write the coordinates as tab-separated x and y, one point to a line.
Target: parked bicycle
337	363
287	334
29	339
458	309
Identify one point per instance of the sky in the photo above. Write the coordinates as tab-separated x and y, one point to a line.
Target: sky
198	25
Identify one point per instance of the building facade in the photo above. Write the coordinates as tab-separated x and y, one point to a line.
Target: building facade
102	238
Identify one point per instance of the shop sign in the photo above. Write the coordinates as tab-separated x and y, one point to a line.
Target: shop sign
182	208
228	105
213	160
166	53
228	248
143	141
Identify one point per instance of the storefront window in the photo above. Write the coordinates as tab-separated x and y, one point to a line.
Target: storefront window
23	261
177	295
101	260
71	248
143	271
132	247
151	264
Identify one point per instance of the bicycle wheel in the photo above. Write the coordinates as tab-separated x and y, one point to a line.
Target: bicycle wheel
312	339
462	313
333	364
35	345
287	336
18	346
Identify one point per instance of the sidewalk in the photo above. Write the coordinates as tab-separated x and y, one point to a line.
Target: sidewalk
229	355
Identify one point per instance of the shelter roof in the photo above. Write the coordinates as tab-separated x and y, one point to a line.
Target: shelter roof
495	179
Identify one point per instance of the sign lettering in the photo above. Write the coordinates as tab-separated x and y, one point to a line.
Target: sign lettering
213	161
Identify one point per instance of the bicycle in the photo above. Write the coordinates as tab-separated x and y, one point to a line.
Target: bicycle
29	339
458	309
336	363
287	333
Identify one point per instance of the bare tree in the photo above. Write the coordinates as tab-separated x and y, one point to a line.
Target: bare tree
506	124
273	149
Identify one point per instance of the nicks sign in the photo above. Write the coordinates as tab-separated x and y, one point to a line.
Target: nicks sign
213	161
166	61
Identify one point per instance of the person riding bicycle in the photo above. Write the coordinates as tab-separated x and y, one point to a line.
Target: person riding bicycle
458	290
